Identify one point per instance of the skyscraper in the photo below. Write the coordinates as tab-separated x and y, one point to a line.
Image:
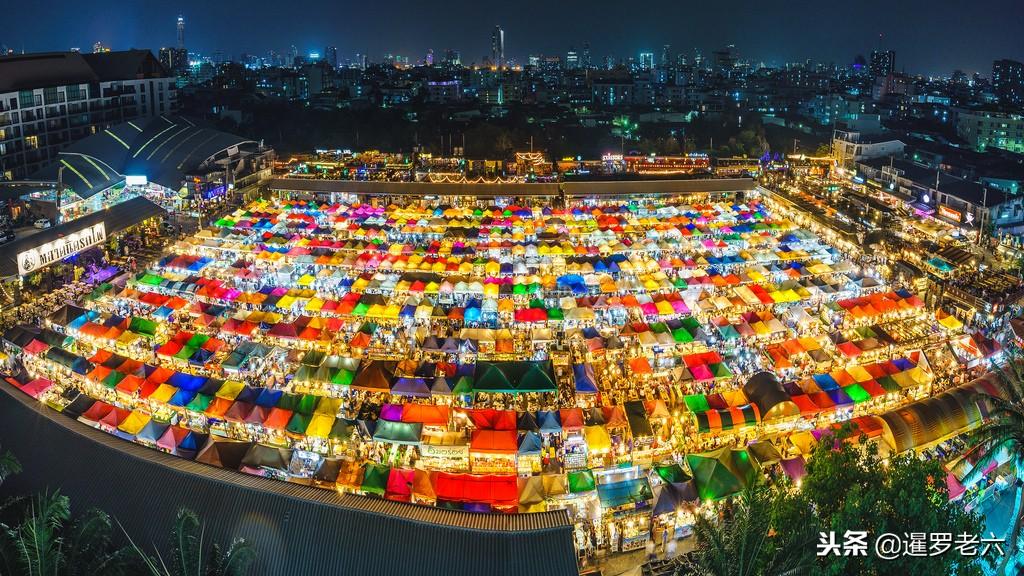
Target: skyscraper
176	59
430	57
331	56
1008	82
646	60
666	55
452	58
883	62
572	59
587	64
498	47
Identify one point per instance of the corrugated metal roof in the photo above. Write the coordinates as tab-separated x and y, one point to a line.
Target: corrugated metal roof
163	149
296	529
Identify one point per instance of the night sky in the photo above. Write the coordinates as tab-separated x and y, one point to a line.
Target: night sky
930	37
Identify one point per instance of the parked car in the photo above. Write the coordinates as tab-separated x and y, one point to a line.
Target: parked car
42	223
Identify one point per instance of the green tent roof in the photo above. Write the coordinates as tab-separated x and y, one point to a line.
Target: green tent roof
375	478
398	432
581	481
199	403
298	423
696	403
143	326
857	393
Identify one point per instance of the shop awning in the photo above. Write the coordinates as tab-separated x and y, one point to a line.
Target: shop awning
636	415
634	491
398	432
494	441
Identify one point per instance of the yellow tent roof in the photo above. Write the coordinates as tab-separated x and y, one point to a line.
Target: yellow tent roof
135	422
229	389
320	425
163	393
597	438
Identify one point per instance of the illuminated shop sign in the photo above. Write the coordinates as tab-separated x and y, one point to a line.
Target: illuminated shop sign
948	212
35	258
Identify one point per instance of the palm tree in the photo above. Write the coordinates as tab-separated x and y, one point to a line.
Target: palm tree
742	543
1004	431
187	554
43	543
9	465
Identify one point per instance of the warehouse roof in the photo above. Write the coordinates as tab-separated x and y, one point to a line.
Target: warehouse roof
295	529
164	149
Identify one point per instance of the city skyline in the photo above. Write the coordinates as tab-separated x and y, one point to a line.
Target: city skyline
804	31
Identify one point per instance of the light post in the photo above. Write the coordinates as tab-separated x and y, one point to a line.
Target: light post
60	190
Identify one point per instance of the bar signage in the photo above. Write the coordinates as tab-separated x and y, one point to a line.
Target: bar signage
949	213
35	258
434	451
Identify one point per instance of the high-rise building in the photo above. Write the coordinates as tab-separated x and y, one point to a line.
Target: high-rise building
587	64
666	55
452	58
429	61
646	60
331	56
1008	82
991	129
883	63
498	47
99	48
725	59
572	59
175	60
78	95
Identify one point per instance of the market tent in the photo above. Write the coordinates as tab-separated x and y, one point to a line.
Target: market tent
722	472
500	491
636	415
581	481
764	453
375	376
531	494
261	456
631	492
672	473
494	441
767	393
586	381
223	453
326	474
375	478
398	432
514	377
671	497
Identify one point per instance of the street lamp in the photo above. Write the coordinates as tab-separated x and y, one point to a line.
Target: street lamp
60	189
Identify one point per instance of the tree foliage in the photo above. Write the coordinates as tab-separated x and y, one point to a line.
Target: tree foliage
42	542
190	556
1004	431
745	542
774	530
851	488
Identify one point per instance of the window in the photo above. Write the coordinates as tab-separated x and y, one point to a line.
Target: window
31	142
26	98
50	95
